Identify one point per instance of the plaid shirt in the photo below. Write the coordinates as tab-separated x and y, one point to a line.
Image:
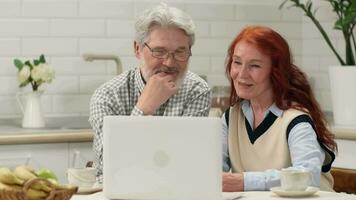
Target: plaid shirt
119	97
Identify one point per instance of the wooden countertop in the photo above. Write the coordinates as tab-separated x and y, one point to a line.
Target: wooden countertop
85	135
10	135
344	133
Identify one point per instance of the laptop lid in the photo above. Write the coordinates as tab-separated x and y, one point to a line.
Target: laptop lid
154	157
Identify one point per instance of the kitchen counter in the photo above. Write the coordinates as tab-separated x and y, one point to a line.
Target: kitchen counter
57	130
345	133
77	129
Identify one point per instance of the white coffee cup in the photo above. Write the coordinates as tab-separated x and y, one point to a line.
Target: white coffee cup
295	179
82	177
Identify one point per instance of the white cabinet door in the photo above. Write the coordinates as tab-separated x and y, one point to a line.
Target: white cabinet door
51	156
346	154
80	154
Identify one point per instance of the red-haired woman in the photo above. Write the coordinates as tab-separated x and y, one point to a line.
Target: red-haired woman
274	121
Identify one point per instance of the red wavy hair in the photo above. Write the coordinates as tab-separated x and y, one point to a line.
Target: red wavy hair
290	85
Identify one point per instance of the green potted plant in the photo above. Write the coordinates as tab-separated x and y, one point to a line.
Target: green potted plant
342	79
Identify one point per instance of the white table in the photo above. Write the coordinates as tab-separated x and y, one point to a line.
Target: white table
320	195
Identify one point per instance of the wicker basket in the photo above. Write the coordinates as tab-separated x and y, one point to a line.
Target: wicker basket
20	194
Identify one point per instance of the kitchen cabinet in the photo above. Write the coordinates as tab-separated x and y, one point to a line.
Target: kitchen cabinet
51	156
57	156
53	148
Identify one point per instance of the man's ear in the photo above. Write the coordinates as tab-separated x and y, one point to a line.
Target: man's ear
137	50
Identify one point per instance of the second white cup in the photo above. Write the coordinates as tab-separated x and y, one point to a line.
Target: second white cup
295	179
82	177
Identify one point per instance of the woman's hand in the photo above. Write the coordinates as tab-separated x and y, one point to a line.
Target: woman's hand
233	182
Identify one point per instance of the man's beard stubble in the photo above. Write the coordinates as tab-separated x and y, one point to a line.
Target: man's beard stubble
169	70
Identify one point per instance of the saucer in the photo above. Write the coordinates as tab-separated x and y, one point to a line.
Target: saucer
88	190
283	193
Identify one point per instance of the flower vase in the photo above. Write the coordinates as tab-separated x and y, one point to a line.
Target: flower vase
31	109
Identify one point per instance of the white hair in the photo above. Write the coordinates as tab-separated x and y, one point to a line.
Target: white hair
163	16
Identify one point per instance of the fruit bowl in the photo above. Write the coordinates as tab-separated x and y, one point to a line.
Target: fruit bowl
21	193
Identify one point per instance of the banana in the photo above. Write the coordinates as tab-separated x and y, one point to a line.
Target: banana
7	177
26	173
35	194
3	186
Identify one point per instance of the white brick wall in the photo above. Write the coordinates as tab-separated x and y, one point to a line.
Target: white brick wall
65	29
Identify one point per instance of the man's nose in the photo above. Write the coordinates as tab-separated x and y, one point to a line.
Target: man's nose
169	60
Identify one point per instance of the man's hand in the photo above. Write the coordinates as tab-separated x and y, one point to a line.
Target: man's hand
159	88
233	182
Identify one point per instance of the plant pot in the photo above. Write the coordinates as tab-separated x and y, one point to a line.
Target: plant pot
343	94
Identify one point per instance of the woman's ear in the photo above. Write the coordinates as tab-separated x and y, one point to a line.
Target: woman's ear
137	50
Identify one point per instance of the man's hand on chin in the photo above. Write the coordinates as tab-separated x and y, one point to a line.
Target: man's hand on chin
159	88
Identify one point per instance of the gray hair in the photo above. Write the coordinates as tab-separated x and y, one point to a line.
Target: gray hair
163	16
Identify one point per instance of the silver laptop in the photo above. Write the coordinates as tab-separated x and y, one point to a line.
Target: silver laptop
162	158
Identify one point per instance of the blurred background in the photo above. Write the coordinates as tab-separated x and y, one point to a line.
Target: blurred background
63	30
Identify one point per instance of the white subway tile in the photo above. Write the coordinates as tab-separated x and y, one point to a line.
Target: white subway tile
218	65
296	47
106	8
210	11
326	102
310	31
123	28
45	8
246	2
298	60
9	85
291	14
7	67
49	46
10	8
116	46
77	66
71	104
258	13
321	81
325	13
23	27
9	106
199	64
202	29
10	46
228	29
111	68
63	85
88	84
310	64
316	47
326	61
324	99
141	6
211	47
217	80
77	27
291	30
128	62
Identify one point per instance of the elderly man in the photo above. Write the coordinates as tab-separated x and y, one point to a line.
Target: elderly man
162	85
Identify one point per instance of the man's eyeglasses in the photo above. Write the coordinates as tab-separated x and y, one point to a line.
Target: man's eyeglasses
179	55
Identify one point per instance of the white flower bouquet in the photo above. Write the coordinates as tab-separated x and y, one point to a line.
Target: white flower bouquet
35	73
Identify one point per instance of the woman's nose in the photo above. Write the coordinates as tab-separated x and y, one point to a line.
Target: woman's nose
243	71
